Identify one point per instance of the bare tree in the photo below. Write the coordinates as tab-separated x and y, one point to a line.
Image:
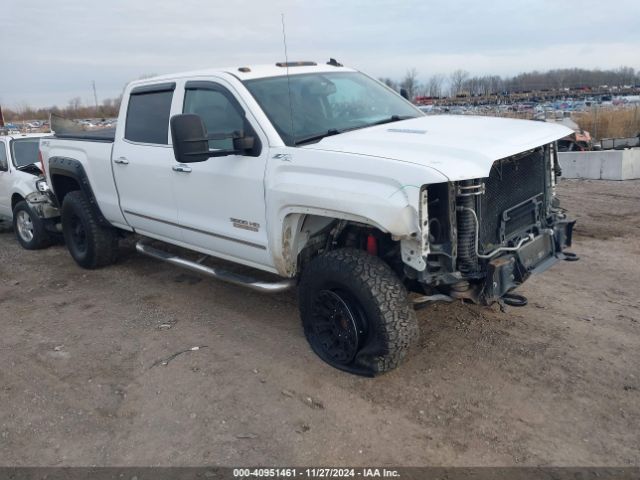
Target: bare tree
410	83
456	81
434	85
75	103
389	83
25	112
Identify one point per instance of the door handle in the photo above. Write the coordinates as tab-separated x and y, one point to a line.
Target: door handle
121	161
181	168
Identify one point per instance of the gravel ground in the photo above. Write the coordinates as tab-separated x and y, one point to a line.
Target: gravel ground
83	380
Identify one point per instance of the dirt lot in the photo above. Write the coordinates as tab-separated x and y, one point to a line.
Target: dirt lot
554	383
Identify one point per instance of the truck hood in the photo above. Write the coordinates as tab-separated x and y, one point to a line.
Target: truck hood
459	147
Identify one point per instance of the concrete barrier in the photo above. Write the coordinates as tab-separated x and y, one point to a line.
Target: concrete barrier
604	165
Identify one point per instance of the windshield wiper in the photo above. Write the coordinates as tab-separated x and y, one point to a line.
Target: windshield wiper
334	131
392	118
317	136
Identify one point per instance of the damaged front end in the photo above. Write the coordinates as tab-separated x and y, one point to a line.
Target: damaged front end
43	204
487	236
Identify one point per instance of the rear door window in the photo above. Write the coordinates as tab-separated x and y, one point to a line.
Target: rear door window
148	114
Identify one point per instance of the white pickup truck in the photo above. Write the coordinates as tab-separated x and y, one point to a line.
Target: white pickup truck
23	191
329	180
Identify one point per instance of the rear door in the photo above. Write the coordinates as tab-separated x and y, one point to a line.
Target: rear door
221	204
142	163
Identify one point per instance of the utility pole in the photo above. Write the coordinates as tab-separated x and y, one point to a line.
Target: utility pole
95	95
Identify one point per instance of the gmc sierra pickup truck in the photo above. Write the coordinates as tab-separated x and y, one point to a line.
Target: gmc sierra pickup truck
327	179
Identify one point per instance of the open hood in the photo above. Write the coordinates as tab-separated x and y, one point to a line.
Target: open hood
459	147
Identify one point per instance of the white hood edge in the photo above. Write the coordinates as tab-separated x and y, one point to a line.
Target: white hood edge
459	147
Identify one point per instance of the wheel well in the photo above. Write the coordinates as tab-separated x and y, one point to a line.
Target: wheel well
15	198
323	234
62	185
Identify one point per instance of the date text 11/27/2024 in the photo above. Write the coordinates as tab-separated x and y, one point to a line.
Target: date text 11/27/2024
315	473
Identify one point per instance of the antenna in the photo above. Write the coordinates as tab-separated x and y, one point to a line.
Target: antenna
95	95
286	59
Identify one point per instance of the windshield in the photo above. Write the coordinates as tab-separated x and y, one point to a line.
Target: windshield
325	104
25	151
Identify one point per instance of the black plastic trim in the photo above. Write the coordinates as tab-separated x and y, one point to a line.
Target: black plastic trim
216	87
154	88
69	167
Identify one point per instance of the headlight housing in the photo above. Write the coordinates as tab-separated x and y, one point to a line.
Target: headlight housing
42	185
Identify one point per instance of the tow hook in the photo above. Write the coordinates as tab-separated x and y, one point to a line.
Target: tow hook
570	257
514	300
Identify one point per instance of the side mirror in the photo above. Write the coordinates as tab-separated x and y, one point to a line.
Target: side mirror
404	93
189	136
191	140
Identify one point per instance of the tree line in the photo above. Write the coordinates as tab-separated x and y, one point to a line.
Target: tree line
74	109
461	82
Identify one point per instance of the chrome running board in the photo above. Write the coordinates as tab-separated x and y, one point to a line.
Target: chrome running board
237	279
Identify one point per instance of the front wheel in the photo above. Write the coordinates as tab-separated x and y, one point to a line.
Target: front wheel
28	227
355	312
91	244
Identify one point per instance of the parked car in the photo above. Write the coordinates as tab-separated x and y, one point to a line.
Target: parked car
23	197
329	180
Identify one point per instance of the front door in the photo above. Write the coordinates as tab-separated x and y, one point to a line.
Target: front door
221	204
142	163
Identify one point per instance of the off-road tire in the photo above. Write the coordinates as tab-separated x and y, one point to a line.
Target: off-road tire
40	236
389	325
91	244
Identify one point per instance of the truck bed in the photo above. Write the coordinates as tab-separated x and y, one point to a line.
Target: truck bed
94	156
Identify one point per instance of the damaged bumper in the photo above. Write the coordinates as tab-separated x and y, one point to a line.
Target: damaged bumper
507	272
43	205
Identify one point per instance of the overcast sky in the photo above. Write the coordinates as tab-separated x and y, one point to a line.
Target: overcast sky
53	49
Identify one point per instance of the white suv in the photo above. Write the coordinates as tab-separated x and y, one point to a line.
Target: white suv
23	190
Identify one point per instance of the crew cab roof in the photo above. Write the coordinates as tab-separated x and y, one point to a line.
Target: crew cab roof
249	72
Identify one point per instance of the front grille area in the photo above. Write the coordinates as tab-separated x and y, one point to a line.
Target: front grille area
511	182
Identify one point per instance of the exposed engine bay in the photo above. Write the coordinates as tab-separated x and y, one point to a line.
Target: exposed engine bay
488	235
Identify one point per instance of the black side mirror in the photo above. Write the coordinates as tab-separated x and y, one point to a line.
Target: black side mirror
404	93
189	135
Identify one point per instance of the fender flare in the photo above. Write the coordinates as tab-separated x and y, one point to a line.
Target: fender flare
71	168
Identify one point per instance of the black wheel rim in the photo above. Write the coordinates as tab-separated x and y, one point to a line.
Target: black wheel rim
78	235
338	325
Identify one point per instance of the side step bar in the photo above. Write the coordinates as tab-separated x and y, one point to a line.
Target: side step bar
237	279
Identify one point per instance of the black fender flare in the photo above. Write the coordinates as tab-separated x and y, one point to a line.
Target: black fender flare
72	168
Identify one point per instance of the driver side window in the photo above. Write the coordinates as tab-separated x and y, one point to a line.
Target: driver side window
219	114
4	162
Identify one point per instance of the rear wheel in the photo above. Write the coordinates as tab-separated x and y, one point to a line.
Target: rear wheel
355	312
91	245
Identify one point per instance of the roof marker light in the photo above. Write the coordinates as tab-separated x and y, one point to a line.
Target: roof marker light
296	64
